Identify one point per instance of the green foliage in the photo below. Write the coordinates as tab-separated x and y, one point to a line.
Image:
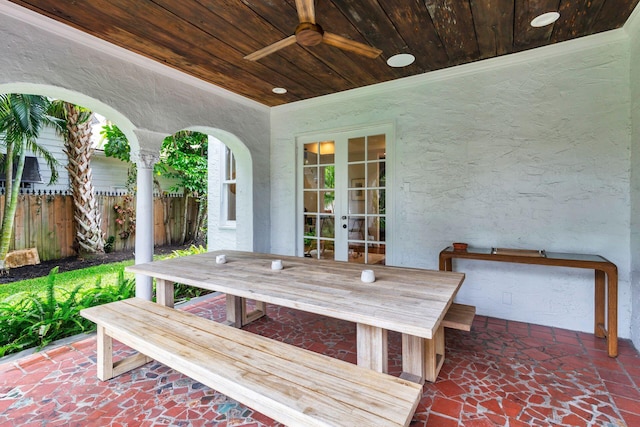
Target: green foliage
192	250
108	244
184	157
117	144
66	281
36	320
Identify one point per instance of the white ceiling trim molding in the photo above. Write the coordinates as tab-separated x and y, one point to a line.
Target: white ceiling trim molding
30	17
545	52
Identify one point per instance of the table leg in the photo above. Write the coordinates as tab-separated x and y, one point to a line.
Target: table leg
234	310
250	316
164	292
413	358
445	264
434	355
599	327
372	347
612	313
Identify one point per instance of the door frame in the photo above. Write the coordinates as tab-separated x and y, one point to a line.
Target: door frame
387	128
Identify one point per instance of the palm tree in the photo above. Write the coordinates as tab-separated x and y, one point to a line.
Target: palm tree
76	133
22	117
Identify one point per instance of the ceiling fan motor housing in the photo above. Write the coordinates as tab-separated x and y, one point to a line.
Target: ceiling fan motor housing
309	34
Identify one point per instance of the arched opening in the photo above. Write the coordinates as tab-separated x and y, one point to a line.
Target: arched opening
243	232
73	219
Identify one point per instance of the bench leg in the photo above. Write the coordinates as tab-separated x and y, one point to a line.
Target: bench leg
106	368
372	347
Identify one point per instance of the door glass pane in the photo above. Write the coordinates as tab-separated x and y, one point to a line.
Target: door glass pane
328	198
310	177
310	201
327	177
327	226
373	174
311	153
356	172
375	147
356	149
327	152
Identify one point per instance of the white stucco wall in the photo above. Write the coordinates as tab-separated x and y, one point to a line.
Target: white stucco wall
528	151
633	29
45	57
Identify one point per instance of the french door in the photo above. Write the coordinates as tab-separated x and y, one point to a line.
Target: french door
342	194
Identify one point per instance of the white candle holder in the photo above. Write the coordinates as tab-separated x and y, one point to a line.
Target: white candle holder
276	264
368	276
221	259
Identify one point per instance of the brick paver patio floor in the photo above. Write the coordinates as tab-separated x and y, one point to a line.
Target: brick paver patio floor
502	373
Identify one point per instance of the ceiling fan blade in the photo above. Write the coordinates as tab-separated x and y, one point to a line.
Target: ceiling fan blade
271	48
306	11
350	45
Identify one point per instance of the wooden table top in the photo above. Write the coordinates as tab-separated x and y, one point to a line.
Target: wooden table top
406	300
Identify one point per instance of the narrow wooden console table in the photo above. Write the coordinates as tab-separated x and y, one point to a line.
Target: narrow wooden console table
604	300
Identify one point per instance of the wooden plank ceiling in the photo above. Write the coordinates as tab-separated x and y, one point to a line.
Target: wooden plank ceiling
209	38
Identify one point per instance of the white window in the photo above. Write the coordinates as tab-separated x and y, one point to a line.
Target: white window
228	199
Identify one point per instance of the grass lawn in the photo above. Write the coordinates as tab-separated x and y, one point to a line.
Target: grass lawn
68	280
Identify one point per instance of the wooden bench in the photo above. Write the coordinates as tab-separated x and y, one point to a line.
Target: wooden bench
459	316
289	384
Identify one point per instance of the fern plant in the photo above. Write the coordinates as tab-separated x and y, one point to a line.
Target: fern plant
36	321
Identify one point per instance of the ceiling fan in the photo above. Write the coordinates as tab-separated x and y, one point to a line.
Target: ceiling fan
308	33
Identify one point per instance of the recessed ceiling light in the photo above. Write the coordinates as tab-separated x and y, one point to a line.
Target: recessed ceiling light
279	90
401	60
545	19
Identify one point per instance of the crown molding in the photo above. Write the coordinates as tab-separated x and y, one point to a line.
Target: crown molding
491	64
45	23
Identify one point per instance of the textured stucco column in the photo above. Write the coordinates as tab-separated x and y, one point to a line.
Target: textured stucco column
145	158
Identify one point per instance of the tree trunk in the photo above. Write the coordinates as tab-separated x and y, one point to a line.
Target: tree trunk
85	212
202	214
166	204
11	203
185	219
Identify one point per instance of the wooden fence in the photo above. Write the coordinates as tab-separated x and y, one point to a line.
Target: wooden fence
45	221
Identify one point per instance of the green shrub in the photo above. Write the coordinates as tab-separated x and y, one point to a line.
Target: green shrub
36	320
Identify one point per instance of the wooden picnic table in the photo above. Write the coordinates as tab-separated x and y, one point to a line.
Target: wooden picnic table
407	300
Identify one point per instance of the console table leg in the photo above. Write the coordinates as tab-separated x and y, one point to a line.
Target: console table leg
612	313
599	328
